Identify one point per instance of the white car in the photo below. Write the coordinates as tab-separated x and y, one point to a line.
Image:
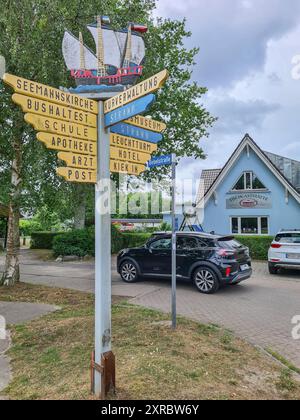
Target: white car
285	251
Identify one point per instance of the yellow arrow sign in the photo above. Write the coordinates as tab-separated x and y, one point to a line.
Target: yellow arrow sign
78	161
48	93
49	109
147	123
50	125
130	143
83	176
141	89
68	144
126	167
129	155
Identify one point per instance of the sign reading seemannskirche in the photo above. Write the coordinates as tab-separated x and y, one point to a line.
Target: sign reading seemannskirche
249	201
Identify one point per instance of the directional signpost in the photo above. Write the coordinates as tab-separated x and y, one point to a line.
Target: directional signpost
93	141
133	108
147	124
136	132
154	163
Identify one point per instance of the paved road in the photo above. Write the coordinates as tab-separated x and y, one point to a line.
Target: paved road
259	310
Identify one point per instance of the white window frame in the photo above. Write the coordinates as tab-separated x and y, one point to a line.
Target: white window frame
249	217
245	183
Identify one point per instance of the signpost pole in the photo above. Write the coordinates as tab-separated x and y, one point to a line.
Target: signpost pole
174	266
104	369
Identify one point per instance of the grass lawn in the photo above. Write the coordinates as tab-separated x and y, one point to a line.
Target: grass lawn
50	357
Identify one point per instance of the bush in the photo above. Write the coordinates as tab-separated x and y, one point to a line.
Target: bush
82	242
43	240
134	240
77	242
258	245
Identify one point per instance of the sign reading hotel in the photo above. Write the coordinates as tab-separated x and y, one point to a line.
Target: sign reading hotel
249	201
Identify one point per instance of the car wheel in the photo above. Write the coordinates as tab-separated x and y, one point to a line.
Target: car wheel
129	272
206	280
272	269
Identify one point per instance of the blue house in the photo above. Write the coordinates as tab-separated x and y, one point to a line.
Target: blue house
255	193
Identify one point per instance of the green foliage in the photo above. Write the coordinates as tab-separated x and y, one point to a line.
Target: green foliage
42	240
134	240
27	227
77	242
117	240
258	245
82	242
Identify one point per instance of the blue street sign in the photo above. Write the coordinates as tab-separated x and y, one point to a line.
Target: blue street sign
130	110
160	161
136	132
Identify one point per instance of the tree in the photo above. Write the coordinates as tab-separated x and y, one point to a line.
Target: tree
31	34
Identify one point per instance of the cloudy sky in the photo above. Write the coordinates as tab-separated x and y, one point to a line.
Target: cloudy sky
245	60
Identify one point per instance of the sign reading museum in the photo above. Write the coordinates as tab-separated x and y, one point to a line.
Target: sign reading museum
249	201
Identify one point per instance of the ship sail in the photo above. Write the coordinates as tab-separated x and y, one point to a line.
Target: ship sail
115	46
112	55
73	51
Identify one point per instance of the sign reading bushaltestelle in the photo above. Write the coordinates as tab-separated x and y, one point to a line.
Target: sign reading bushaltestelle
249	201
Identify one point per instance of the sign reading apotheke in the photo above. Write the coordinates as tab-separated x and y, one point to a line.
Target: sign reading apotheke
249	201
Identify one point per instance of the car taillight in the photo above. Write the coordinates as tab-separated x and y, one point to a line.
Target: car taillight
228	271
276	246
225	253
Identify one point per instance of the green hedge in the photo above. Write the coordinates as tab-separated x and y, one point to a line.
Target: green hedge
134	240
258	245
82	242
43	240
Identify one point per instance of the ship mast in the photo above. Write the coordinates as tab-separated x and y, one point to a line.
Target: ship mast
100	51
82	57
127	59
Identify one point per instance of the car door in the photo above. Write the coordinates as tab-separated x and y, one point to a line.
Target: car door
189	250
158	258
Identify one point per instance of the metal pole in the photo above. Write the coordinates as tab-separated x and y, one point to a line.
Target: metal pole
174	265
102	252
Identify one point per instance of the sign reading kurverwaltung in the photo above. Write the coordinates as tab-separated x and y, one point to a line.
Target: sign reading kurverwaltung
249	201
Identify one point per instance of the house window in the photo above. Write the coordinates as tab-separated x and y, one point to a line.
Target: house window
250	225
249	181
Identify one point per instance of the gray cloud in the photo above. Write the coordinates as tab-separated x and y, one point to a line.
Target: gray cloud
232	34
238	117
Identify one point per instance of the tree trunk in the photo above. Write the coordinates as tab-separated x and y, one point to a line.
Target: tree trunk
80	206
11	274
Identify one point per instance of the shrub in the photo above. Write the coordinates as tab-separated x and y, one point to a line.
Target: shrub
82	242
77	242
42	240
258	245
134	240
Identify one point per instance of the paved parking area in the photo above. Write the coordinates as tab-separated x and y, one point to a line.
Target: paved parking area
259	310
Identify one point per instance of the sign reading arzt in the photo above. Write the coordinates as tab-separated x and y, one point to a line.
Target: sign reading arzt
141	89
49	109
78	161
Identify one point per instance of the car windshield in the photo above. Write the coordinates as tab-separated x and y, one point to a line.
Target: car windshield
288	238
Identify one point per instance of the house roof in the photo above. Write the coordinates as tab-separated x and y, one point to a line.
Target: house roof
212	178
